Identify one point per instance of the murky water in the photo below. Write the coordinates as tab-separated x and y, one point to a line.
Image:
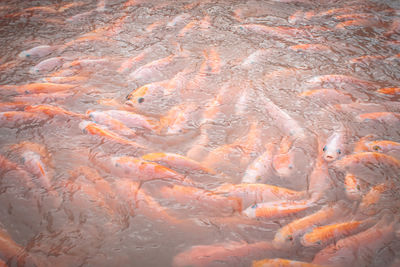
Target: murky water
296	100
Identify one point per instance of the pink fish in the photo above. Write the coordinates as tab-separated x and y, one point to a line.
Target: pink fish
335	146
48	65
260	170
37	52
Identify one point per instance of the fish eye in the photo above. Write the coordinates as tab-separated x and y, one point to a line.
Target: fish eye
254	206
376	148
290	166
140	100
324	149
339	151
28	55
128	97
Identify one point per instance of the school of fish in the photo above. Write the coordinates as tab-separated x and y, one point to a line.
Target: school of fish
200	133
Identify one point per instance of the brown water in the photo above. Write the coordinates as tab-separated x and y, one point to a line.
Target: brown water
253	99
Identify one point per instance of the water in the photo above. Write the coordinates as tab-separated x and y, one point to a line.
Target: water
223	90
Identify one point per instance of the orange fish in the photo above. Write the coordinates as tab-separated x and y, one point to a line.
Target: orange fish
231	253
35	88
389	91
323	235
53	111
328	96
370	166
278	31
11	119
10	250
129	62
133	120
178	119
141	203
289	233
368	205
283	160
95	129
138	169
69	79
204	199
357	22
282	263
111	123
384	146
260	170
13	106
277	209
383	117
359	249
340	79
310	47
353	187
152	71
176	161
44	97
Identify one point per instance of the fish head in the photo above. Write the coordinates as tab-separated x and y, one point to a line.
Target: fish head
334	148
149	99
284	164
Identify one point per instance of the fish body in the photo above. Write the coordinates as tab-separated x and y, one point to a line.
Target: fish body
327	96
141	170
353	187
133	120
176	161
97	130
204	199
11	119
371	166
289	233
282	263
359	249
51	110
37	52
261	168
251	193
276	209
111	123
390	118
230	253
47	65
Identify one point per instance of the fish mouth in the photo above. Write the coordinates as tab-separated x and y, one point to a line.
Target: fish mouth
329	158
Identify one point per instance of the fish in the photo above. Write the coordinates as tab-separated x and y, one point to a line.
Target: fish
137	169
231	253
42	98
359	108
390	118
128	63
281	119
139	202
388	147
36	88
37	52
359	22
310	47
110	122
51	111
257	193
391	91
324	235
177	161
257	57
335	146
12	119
97	130
13	106
10	250
301	16
372	167
179	19
277	209
327	96
152	71
34	164
359	249
353	186
338	79
289	234
278	31
178	120
75	79
47	65
283	160
204	199
133	120
282	263
260	170
371	199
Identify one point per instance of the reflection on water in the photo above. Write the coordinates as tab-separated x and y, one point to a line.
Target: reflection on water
199	133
